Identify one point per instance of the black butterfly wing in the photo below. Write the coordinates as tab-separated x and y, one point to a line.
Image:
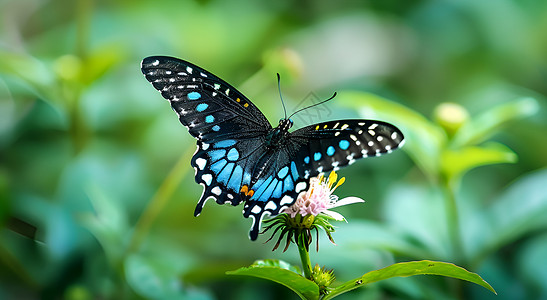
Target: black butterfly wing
328	146
229	128
277	186
209	107
311	150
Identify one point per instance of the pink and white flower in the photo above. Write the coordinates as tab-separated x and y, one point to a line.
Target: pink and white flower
319	198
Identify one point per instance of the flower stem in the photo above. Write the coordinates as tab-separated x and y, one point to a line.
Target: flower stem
304	255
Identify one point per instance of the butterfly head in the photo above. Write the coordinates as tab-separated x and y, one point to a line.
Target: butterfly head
285	124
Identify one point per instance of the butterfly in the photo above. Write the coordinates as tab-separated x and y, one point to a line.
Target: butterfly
240	157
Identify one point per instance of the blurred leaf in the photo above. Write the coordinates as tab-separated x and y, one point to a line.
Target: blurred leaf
520	209
532	262
480	127
31	72
98	62
418	212
423	139
424	267
149	278
456	162
282	273
108	223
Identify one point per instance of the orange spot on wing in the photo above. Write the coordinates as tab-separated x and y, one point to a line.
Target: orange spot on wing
246	105
245	191
238	100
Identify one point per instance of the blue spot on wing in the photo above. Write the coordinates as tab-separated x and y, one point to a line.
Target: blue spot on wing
209	119
225	143
262	187
288	184
317	156
216	154
233	154
224	175
344	144
268	192
278	190
218	166
235	180
194	96
294	171
201	107
283	172
216	128
330	151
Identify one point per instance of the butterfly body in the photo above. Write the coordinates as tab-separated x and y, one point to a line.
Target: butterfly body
240	157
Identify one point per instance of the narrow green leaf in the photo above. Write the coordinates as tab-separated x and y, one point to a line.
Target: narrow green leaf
424	140
424	267
282	273
480	127
456	162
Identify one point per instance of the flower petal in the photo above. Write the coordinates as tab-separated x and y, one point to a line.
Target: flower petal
334	215
346	201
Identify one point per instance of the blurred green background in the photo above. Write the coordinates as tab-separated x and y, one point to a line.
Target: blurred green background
97	192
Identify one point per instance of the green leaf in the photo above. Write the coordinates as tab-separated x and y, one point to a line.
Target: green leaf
480	127
519	210
424	140
456	162
424	267
282	273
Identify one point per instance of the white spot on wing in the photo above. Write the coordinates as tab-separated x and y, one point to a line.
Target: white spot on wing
189	70
207	178
270	206
216	190
168	72
156	62
256	210
394	135
201	163
344	126
300	187
286	200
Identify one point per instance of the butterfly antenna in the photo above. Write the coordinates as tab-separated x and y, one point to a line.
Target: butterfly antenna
332	97
280	96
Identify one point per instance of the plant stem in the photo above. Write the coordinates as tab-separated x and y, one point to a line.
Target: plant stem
304	255
159	201
453	220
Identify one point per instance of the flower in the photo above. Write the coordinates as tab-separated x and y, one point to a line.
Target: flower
311	210
319	198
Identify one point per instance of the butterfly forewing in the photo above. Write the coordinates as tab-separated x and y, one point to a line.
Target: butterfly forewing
209	107
331	145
